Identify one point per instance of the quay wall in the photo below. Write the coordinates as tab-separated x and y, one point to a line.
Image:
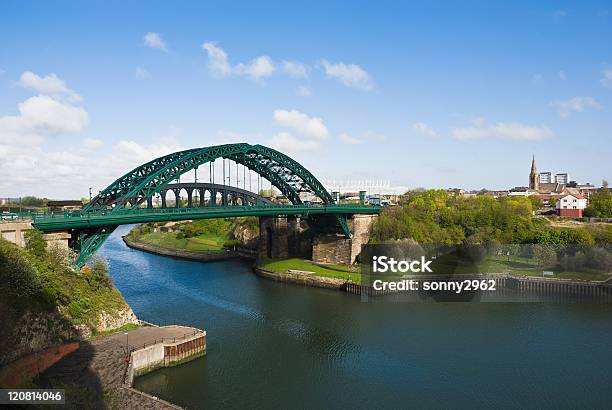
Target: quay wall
164	354
181	253
553	289
302	279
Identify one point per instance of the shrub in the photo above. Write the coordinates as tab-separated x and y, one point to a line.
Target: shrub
35	242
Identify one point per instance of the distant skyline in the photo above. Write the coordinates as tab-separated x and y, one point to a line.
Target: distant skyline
425	94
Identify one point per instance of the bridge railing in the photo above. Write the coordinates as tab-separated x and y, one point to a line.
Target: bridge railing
174	211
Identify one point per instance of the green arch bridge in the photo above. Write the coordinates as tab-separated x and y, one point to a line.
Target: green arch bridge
128	200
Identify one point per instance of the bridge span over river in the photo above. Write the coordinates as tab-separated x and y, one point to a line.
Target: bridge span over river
129	199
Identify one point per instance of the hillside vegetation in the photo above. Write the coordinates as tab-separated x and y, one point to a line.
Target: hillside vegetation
434	217
37	282
200	235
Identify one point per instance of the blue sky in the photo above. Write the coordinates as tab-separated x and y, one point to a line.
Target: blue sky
421	95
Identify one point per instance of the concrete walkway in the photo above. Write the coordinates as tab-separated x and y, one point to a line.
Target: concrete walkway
95	372
149	335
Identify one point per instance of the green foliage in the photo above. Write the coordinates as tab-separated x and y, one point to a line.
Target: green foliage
35	242
433	217
35	281
98	278
19	280
231	243
600	205
545	255
32	201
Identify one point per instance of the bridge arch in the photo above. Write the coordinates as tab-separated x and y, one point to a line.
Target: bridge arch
286	174
125	197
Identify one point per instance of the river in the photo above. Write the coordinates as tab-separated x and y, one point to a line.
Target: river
273	345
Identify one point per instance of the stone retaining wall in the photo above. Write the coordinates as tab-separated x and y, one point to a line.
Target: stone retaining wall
302	279
180	253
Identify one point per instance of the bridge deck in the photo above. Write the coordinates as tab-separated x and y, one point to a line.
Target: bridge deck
97	219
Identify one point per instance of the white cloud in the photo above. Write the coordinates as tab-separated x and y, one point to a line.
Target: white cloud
140	72
40	116
256	69
424	129
562	75
295	69
91	144
576	104
286	142
304	91
68	174
606	71
219	65
351	75
347	139
154	40
502	130
49	84
135	153
558	14
302	124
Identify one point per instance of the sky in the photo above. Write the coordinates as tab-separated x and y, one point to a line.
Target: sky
407	94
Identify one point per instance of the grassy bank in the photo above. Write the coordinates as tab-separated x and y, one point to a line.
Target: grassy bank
203	242
326	271
202	235
492	264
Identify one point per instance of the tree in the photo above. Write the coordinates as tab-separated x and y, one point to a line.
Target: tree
600	204
545	255
35	242
32	201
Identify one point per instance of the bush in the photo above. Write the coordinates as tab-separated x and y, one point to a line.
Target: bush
35	242
98	278
18	277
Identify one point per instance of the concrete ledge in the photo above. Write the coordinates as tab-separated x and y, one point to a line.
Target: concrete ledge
165	354
302	279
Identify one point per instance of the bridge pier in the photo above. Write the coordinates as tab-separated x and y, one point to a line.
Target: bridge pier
280	238
15	232
338	249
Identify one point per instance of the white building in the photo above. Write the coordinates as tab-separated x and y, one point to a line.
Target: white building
571	205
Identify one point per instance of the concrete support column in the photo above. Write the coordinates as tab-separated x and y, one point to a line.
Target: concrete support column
177	197
150	202
190	198
163	198
202	194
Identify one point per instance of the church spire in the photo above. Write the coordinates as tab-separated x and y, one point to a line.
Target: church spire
534	178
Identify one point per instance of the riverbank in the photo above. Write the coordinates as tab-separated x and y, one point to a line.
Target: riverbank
206	256
301	278
100	373
508	287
